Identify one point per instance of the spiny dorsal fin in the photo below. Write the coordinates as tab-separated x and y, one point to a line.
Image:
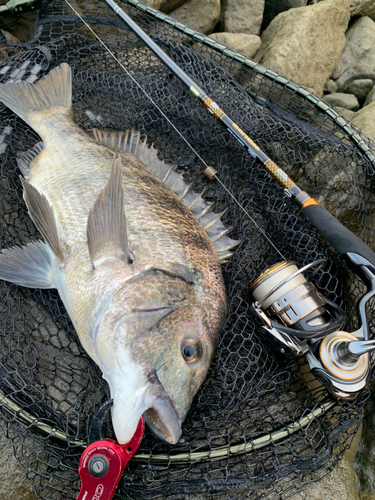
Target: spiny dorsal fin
130	142
106	225
43	216
27	266
24	159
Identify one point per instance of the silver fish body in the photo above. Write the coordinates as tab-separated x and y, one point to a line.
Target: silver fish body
138	275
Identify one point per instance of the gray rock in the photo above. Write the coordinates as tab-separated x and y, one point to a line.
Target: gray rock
273	7
330	87
362	8
370	97
202	16
346	113
22	27
243	16
248	45
347	101
171	5
360	88
340	484
305	44
358	57
13	483
338	71
156	4
365	120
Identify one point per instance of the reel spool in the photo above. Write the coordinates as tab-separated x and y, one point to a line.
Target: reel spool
294	312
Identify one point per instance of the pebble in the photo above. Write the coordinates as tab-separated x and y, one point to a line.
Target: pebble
360	88
330	87
347	101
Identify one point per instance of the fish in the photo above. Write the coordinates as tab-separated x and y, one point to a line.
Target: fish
134	253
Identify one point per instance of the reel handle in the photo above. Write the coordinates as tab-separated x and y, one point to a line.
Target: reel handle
355	349
341	238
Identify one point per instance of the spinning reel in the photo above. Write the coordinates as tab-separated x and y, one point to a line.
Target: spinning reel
294	312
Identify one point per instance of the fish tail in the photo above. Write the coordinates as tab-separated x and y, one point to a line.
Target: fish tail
54	90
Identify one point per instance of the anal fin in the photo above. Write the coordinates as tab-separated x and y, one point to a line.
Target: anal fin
43	216
28	266
106	225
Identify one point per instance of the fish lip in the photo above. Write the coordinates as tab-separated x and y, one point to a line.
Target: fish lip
166	412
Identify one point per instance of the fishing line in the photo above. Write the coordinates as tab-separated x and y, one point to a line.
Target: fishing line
175	128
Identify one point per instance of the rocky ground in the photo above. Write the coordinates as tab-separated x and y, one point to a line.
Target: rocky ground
327	46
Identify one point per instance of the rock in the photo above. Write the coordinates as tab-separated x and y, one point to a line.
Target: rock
340	484
305	44
330	87
347	101
22	27
346	113
13	483
360	88
243	16
338	71
171	5
358	57
365	120
156	4
202	16
248	45
362	8
9	37
273	7
370	97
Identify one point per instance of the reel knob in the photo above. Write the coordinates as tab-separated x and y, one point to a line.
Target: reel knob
347	371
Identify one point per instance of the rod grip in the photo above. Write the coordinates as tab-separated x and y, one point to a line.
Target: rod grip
341	238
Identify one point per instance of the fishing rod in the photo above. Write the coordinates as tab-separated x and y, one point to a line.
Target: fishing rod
289	306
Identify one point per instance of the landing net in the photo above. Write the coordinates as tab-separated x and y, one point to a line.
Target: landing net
255	399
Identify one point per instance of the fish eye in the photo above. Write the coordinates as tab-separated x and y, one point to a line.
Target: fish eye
191	350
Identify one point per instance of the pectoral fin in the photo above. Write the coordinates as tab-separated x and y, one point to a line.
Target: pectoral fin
42	214
29	266
106	225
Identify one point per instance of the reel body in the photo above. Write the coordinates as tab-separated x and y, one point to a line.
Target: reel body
297	315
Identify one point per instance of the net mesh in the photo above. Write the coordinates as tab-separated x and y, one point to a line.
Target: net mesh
50	389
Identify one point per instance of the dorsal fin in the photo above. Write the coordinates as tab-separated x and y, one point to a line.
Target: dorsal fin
130	142
43	216
106	224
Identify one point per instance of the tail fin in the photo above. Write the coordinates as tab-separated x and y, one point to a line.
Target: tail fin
54	90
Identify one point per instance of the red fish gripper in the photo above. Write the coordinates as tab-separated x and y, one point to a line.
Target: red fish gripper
102	464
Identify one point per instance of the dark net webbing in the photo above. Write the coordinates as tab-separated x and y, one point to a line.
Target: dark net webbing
47	380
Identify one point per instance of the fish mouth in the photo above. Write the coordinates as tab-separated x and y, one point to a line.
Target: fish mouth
162	417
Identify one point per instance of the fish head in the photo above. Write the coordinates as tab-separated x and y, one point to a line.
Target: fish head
156	354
